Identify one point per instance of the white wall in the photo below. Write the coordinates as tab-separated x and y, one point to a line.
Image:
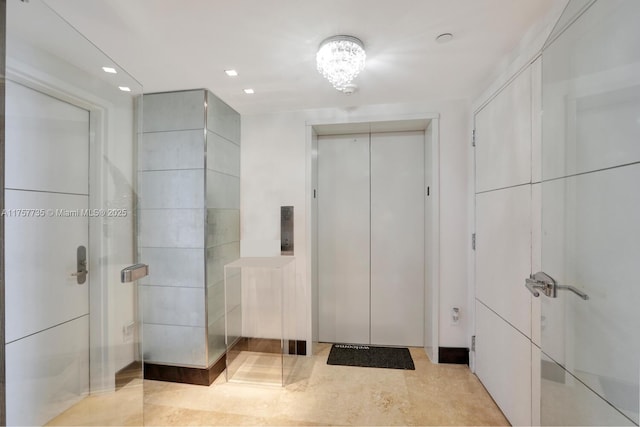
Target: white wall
274	173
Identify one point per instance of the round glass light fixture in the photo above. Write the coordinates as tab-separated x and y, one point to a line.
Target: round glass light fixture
340	59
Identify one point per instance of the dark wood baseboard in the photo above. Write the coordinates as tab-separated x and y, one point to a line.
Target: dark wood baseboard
183	374
455	355
206	376
129	373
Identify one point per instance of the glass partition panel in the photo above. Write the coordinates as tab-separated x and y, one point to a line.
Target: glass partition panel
590	210
260	320
73	342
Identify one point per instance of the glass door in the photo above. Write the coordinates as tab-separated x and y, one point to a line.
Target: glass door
72	342
589	286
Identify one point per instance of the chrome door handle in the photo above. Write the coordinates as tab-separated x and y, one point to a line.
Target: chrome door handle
549	286
134	272
574	290
532	285
81	265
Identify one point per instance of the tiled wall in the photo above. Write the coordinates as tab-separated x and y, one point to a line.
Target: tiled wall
223	212
189	192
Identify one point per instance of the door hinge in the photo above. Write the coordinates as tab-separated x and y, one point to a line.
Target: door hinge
473	343
473	138
473	241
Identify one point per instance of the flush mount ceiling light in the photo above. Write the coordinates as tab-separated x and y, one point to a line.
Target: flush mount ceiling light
109	70
231	73
340	59
124	88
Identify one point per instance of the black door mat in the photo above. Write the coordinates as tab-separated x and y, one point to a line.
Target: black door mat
370	357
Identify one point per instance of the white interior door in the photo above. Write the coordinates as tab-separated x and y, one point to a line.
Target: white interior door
397	238
343	238
47	310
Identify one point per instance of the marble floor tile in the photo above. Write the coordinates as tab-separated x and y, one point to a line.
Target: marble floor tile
315	394
321	394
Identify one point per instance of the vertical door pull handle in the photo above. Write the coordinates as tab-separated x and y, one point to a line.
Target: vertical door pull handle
81	265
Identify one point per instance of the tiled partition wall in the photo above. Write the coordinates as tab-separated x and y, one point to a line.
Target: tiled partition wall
189	201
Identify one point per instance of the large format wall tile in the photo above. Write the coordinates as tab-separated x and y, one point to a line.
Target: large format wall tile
173	306
222	155
171	228
223	226
175	345
171	150
173	111
223	191
177	189
217	257
222	119
173	267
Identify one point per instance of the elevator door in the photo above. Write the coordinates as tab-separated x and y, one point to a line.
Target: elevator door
397	238
343	238
371	238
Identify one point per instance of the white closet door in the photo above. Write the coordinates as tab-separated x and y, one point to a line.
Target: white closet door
343	233
397	238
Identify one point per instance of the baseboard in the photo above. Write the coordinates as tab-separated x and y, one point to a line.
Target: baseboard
267	345
129	373
455	355
183	374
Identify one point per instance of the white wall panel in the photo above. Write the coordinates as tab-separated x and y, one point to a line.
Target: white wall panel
40	291
43	134
503	137
503	364
48	373
503	253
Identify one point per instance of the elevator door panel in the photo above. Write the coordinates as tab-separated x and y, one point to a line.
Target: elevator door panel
343	233
397	238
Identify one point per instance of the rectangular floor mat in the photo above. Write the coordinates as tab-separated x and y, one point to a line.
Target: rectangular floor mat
370	356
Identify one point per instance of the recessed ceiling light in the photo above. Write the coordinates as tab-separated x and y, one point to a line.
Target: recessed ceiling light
444	38
231	73
109	70
249	91
124	88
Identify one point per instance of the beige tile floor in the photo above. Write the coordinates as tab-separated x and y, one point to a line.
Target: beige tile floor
321	394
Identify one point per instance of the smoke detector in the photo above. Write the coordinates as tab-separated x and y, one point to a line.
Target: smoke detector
350	89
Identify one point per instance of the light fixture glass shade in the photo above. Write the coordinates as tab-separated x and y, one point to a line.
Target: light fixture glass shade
340	59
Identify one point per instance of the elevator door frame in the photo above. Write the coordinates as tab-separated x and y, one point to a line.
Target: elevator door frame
429	123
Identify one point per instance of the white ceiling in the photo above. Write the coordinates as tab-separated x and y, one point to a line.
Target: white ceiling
184	44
